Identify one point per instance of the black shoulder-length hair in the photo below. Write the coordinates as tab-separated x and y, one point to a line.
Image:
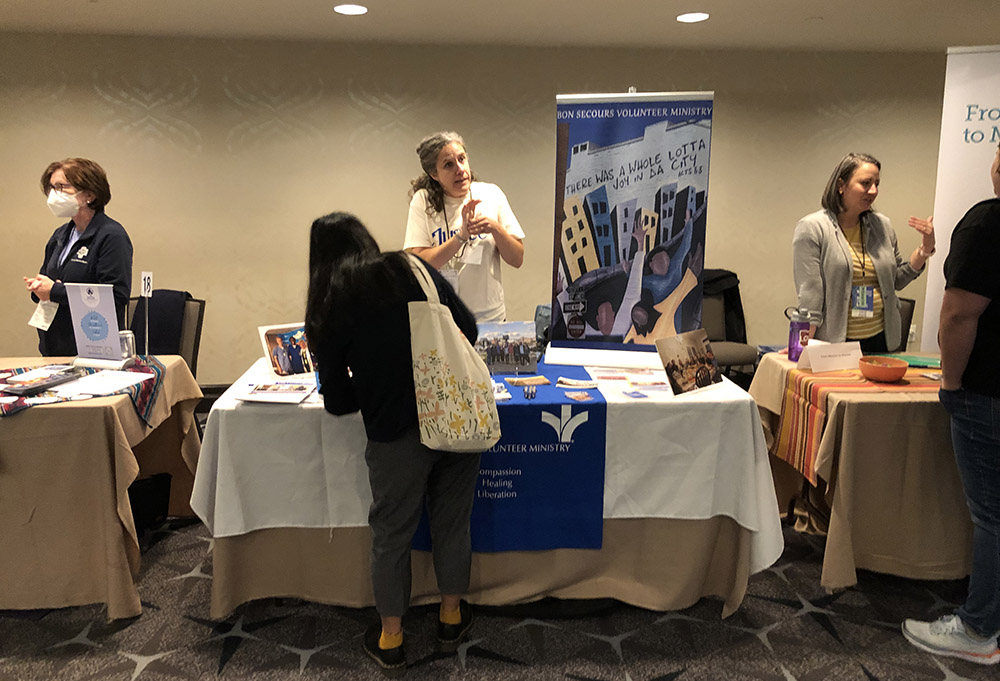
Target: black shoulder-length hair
345	264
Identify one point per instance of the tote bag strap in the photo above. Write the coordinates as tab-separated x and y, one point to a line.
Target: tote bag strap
423	278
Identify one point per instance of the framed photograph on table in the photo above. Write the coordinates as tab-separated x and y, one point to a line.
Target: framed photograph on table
689	361
287	349
508	347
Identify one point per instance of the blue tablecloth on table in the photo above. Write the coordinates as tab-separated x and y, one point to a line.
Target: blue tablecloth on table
542	486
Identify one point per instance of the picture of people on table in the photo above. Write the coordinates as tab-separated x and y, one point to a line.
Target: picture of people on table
287	350
508	347
688	361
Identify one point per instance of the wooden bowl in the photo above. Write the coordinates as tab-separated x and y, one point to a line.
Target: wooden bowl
883	369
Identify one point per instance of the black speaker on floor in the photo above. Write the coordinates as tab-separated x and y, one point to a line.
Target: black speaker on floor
149	499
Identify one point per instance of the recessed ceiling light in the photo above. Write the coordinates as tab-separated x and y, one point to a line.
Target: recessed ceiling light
351	10
692	17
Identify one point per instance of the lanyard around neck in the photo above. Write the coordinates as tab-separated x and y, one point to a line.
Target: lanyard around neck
861	233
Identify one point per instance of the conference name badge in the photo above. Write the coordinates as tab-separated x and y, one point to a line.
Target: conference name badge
862	301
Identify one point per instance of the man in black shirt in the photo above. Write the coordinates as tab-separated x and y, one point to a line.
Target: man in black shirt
969	336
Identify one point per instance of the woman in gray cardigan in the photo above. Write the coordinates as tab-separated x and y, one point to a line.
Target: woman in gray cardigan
847	264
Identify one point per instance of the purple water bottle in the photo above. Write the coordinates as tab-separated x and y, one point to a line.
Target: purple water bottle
799	319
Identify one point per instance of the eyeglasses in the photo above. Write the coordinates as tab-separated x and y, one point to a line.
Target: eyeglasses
64	188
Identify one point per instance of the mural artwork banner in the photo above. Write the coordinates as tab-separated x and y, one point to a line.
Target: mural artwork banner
631	202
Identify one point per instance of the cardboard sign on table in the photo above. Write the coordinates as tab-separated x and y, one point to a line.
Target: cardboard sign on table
821	356
95	321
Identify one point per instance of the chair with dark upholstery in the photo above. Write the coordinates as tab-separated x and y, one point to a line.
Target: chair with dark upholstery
906	307
175	322
723	320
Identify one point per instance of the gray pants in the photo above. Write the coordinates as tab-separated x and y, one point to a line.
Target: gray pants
402	474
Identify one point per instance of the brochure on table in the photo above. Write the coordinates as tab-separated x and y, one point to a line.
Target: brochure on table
631	383
105	382
71	382
281	392
41	379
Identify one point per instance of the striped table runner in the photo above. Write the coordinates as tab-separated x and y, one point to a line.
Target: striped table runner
803	410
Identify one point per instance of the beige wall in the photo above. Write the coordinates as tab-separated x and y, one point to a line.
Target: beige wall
220	153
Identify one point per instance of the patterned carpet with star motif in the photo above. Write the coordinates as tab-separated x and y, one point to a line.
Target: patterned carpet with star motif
788	629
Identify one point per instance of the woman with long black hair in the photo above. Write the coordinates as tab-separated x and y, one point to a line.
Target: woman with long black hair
357	324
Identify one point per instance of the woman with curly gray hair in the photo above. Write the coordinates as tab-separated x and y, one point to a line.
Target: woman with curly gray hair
461	226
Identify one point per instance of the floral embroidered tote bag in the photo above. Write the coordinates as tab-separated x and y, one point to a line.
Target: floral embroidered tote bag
455	405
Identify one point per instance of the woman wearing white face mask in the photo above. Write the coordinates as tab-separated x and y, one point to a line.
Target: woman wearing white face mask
89	249
462	227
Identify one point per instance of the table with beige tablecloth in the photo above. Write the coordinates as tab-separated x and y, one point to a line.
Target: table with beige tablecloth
66	531
881	457
689	508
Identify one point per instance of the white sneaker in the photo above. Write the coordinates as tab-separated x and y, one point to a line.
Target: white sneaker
948	636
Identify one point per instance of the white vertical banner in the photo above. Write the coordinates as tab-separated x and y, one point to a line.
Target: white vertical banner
970	132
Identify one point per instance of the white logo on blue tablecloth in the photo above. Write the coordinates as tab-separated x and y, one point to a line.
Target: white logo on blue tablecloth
565	423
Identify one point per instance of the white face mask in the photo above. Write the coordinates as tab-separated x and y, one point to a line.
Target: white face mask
62	205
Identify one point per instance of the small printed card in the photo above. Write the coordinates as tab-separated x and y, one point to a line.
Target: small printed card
649	383
820	356
580	383
500	392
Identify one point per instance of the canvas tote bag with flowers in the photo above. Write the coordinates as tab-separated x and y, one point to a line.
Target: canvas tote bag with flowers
455	405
